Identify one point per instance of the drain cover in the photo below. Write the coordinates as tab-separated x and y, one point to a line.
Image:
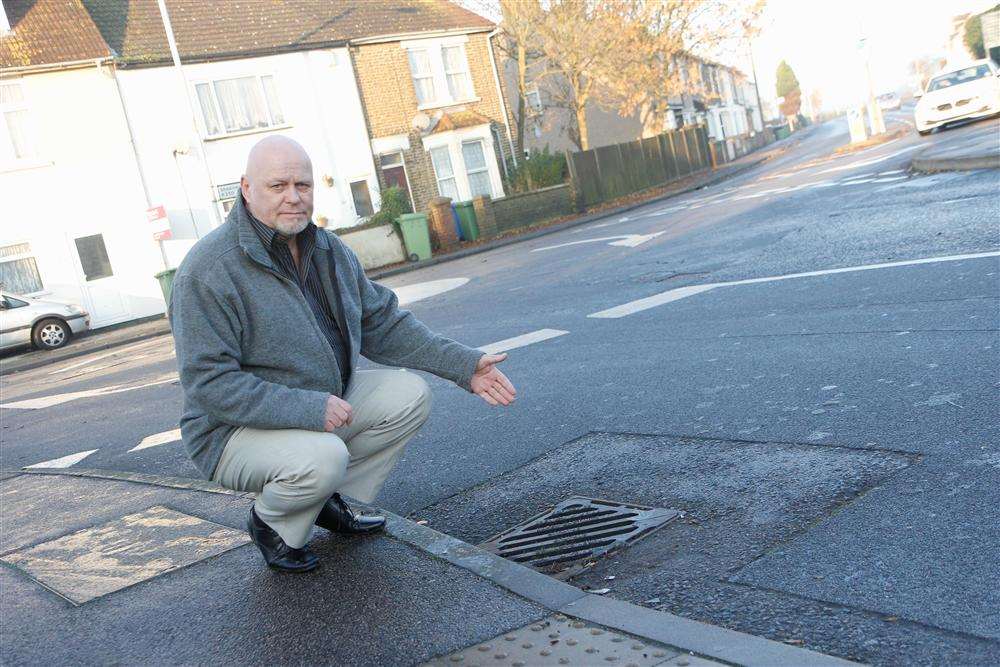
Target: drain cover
560	541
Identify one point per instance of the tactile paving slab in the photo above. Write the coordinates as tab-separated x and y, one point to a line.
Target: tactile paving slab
563	640
105	558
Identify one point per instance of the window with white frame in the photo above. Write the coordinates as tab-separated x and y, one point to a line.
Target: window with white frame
19	270
239	105
533	98
476	169
440	71
465	165
447	185
16	137
423	76
456	70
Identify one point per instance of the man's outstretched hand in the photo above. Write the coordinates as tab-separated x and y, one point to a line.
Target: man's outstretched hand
490	384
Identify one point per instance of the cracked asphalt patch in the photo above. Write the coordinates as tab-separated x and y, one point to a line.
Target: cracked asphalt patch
742	501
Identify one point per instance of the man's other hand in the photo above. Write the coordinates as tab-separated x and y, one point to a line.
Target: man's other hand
338	413
490	384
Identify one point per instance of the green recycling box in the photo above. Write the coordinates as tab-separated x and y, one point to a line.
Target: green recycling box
166	279
467	220
416	238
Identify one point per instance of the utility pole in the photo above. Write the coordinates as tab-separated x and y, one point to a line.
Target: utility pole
875	120
756	90
165	17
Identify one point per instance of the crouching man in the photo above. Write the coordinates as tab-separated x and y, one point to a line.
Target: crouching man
270	315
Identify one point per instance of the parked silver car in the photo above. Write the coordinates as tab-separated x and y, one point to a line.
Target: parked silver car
45	324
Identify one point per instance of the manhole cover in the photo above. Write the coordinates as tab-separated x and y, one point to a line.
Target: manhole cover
561	540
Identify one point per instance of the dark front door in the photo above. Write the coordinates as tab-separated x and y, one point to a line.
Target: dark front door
395	173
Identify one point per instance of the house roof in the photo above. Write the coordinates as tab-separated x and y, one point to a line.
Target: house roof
209	30
458	119
45	32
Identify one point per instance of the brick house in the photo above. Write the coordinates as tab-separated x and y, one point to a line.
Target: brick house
434	108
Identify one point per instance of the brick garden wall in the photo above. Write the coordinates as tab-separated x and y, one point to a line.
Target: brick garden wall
530	207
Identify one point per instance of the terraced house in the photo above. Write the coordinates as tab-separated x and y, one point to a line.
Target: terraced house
105	129
435	110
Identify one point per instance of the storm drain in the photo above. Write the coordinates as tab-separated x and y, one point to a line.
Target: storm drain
562	540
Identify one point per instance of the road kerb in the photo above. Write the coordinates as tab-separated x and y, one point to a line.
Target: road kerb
701	638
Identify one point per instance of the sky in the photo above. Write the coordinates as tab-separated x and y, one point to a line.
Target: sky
819	39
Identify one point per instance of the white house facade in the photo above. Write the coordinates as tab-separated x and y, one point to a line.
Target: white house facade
310	96
71	201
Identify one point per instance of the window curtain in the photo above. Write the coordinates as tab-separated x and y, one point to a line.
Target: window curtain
208	109
457	72
475	167
423	78
241	103
447	186
20	276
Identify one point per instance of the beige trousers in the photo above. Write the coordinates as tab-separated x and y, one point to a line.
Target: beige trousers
294	472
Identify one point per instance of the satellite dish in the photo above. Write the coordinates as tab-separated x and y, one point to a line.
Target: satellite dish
421	122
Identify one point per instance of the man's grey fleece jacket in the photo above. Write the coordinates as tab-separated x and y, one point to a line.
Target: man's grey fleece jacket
250	351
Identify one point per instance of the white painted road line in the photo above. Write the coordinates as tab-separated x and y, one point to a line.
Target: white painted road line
58	399
412	293
876	160
690	290
521	341
864	267
164	438
651	301
627	240
91	360
64	461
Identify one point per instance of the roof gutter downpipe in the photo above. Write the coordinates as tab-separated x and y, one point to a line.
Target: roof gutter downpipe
503	104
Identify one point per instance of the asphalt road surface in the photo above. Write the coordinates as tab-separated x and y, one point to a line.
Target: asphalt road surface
831	306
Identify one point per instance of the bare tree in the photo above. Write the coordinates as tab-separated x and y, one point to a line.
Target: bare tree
627	55
519	43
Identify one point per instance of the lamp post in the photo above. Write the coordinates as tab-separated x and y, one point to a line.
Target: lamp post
175	56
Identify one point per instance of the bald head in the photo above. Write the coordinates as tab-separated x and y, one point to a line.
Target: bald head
278	184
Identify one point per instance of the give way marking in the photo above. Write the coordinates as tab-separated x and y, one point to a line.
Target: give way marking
682	292
626	240
158	439
57	399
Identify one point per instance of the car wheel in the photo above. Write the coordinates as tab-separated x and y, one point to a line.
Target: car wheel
50	334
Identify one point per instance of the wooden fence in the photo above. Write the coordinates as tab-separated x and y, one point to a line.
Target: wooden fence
609	172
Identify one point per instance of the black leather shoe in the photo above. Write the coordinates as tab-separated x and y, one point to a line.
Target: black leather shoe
337	517
277	554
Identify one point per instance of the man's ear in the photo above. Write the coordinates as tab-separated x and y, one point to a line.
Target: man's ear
245	187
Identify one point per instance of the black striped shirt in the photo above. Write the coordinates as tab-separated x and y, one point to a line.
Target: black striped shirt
306	278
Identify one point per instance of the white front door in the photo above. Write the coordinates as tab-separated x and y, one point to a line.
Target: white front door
101	290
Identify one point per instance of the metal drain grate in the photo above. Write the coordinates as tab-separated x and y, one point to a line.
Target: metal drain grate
560	541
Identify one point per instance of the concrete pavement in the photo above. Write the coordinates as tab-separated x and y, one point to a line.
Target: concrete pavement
159	570
969	146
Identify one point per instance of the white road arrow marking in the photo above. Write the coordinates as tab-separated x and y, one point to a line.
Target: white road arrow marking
521	341
158	439
64	461
651	301
627	240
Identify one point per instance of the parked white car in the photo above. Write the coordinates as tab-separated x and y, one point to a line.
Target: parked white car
45	324
972	91
889	101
